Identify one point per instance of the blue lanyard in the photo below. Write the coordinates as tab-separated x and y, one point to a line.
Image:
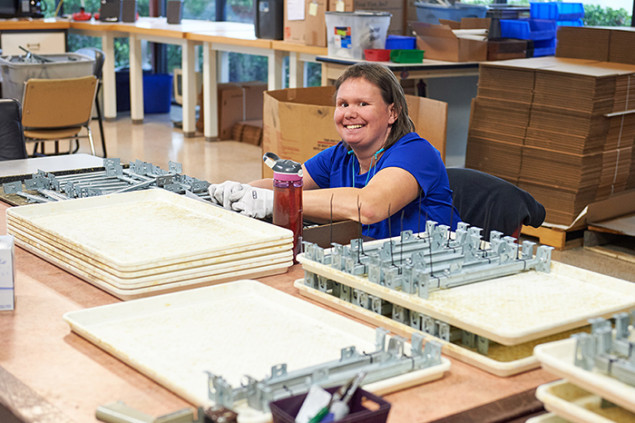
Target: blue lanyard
360	166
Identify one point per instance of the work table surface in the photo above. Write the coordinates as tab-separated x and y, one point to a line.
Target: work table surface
50	374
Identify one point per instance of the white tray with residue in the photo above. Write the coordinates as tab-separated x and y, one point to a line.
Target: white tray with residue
558	358
268	269
184	273
484	362
513	309
136	230
577	405
26	231
234	329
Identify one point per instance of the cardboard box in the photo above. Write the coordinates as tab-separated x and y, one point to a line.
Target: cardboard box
294	21
397	8
238	102
440	43
315	23
251	131
298	122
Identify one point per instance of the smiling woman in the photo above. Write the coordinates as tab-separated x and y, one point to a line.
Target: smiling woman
381	173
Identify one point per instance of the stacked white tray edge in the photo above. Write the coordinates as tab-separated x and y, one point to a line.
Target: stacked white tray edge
511	310
578	397
147	242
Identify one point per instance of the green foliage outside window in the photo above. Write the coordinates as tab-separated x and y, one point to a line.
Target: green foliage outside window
595	15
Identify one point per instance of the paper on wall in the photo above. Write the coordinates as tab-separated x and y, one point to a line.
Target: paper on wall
295	10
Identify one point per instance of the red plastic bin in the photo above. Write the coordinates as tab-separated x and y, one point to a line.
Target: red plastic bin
377	55
285	410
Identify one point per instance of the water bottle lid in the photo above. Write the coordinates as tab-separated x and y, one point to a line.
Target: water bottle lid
286	170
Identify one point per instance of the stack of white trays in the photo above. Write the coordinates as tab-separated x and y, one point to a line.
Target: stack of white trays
583	396
147	242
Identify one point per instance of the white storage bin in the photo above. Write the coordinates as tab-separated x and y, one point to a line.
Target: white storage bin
16	70
350	33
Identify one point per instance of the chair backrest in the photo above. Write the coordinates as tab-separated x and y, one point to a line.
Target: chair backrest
492	203
58	103
96	54
12	145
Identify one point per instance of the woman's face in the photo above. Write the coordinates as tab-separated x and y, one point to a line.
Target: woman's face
362	118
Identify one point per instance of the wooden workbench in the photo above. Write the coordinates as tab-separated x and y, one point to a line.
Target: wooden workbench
49	374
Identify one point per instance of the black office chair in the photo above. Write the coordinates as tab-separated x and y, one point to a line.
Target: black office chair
492	203
99	57
12	146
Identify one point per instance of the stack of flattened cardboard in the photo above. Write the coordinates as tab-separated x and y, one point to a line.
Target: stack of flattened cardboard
577	143
499	119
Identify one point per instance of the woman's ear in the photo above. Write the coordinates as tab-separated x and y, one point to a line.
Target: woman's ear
392	110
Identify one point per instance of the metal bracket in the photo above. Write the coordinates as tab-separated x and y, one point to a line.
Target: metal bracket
385	362
422	264
608	350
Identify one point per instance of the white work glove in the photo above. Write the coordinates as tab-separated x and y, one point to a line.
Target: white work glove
254	202
223	194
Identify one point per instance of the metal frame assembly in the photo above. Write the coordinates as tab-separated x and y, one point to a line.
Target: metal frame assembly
608	350
421	264
386	361
44	187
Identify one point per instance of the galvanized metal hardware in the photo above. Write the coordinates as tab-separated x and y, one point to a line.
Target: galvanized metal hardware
45	187
608	350
388	360
421	264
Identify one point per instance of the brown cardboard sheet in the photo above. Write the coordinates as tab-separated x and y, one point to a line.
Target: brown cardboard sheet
440	43
583	43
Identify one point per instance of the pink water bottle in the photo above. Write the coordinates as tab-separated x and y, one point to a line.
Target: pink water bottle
287	196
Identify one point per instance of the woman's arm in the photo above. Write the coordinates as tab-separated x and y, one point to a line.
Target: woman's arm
262	183
392	186
307	182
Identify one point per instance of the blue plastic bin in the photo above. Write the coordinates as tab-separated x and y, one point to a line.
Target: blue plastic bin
400	42
577	22
431	13
544	48
556	11
157	92
528	29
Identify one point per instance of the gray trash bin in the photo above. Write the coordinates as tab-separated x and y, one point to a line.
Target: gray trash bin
16	70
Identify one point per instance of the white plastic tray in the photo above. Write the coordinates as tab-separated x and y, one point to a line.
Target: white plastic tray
234	329
513	309
274	268
546	418
136	230
558	358
27	231
181	274
490	365
577	405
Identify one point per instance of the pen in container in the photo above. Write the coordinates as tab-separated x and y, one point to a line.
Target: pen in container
340	408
